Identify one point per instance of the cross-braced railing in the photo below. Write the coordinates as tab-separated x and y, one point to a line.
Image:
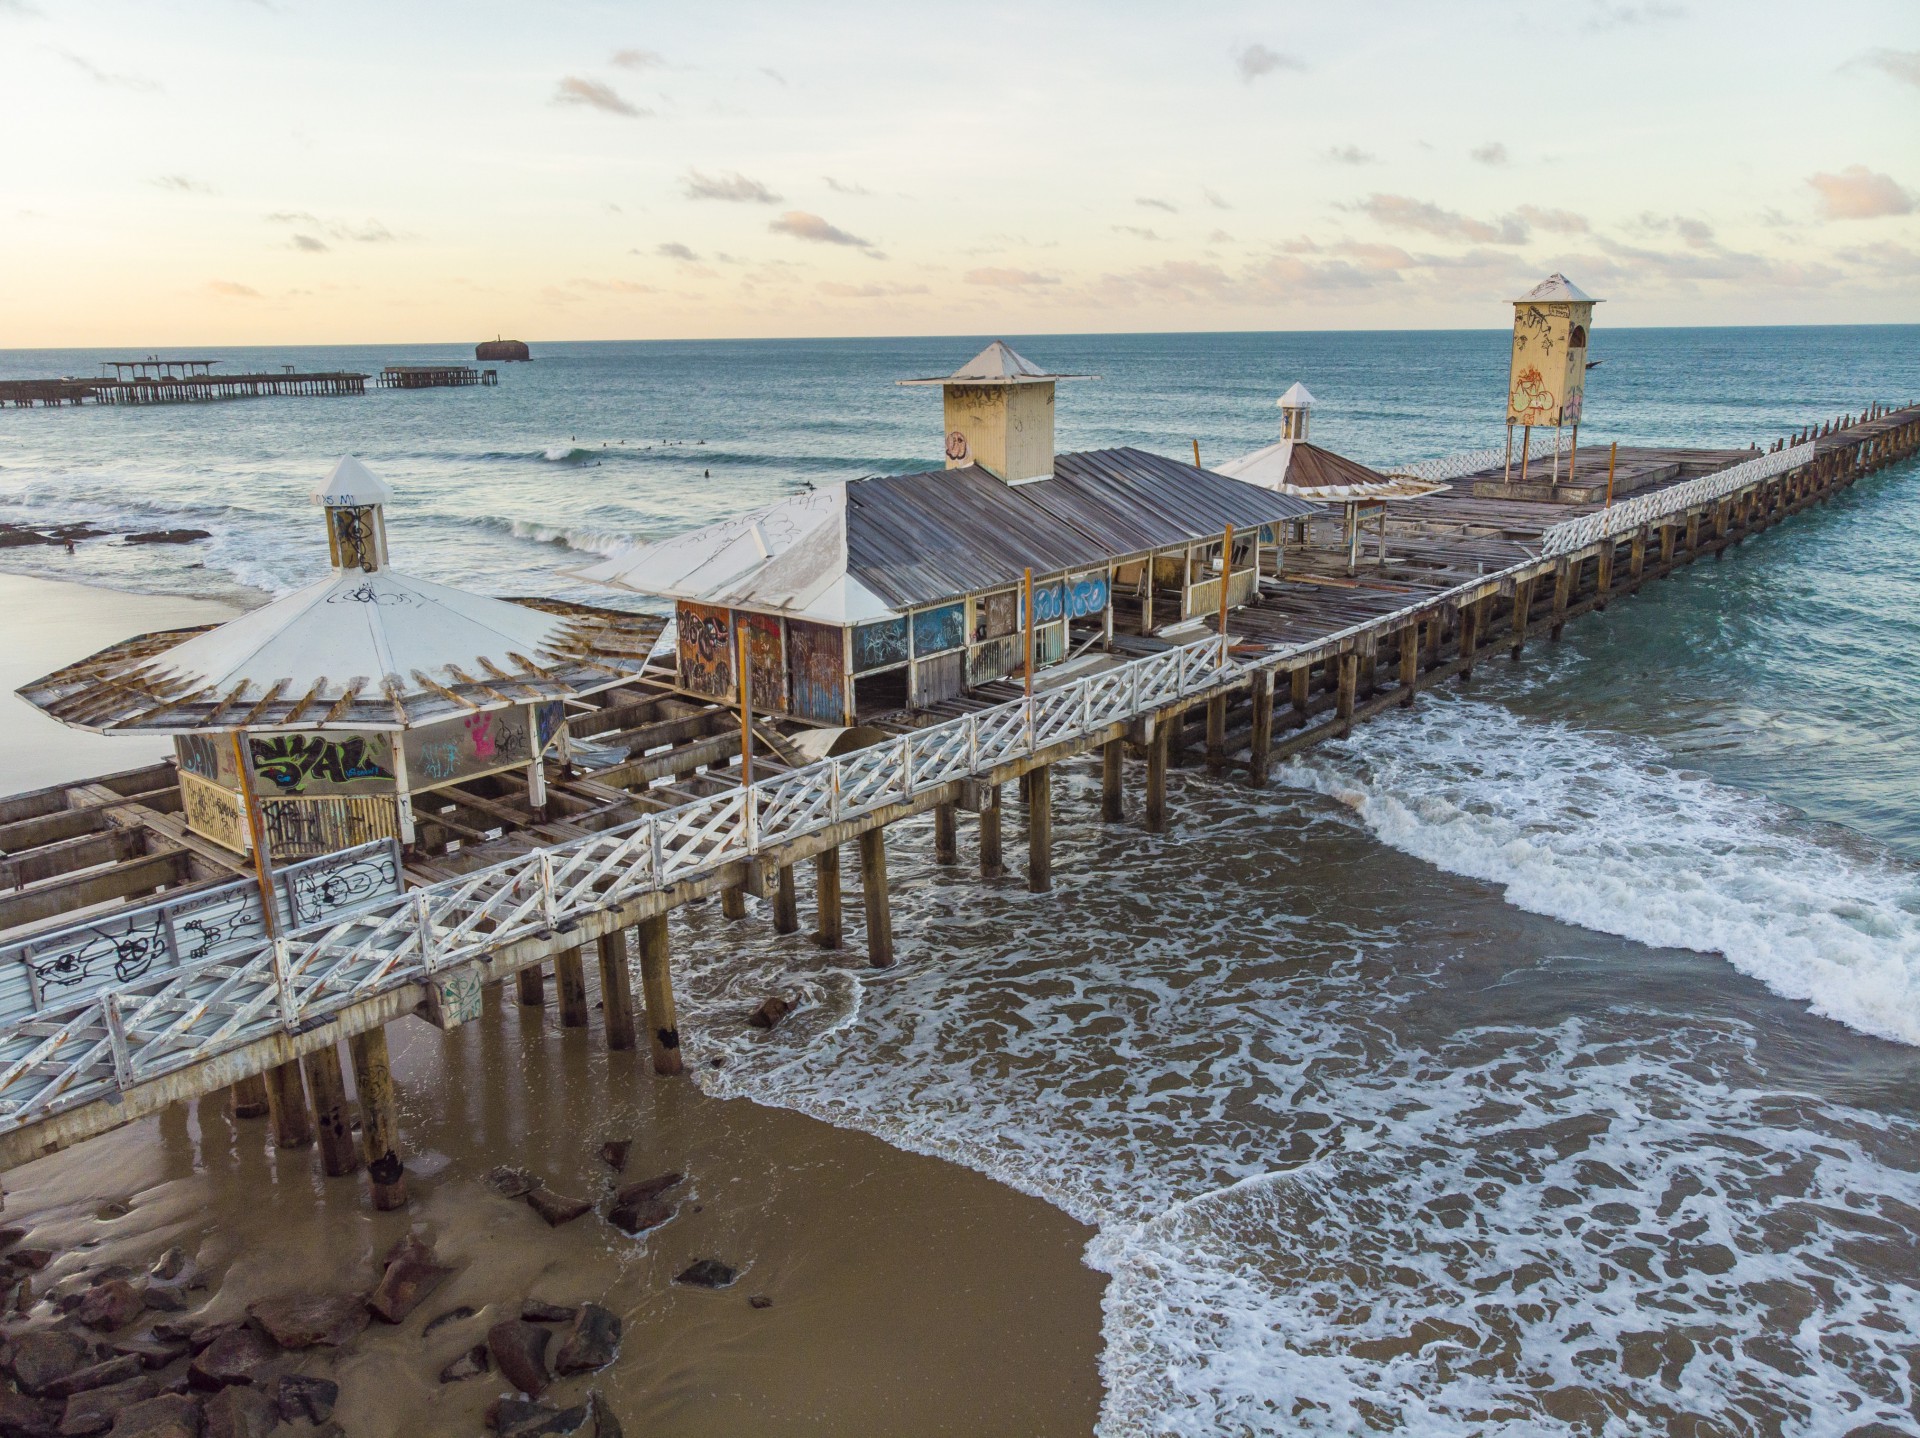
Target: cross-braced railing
1628	515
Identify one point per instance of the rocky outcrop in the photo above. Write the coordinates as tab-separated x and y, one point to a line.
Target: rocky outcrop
507	350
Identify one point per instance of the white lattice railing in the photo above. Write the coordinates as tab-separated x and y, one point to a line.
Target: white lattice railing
1453	466
90	1048
1630	514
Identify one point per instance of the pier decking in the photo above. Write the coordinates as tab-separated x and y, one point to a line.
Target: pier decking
435	376
177	388
496	890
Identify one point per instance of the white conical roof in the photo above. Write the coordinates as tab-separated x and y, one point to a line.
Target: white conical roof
790	556
352	483
1298	397
1557	286
998	363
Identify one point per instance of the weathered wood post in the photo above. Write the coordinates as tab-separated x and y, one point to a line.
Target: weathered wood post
1176	726
733	902
1300	693
1469	638
329	1088
1603	573
1113	807
570	977
379	1118
1562	594
1157	779
1040	829
1349	681
992	865
1637	556
826	890
532	986
786	908
616	990
1260	745
946	834
287	1098
1409	664
250	1097
656	990
873	893
1216	732
1522	613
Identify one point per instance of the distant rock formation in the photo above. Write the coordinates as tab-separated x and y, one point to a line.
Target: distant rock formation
498	349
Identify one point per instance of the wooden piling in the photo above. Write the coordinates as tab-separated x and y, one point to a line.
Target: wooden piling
826	890
992	864
786	909
733	902
1113	807
1469	638
1300	693
656	991
334	1125
287	1098
1216	733
1522	615
532	986
570	978
250	1097
1157	747
1409	664
1260	744
1040	829
1637	556
616	990
1349	682
873	893
1562	595
379	1118
946	834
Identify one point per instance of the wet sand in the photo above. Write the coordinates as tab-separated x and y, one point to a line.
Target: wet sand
909	1295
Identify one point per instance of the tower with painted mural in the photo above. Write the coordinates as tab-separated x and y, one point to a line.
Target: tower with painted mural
999	414
1547	372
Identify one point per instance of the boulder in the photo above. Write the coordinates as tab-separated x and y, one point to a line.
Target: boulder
535	1311
605	1425
770	1012
519	1351
556	1208
470	1364
649	1188
24	1417
637	1218
109	1306
175	1269
96	1375
162	1299
94	1411
31	1260
306	1320
237	1356
406	1283
510	1182
302	1398
593	1341
241	1413
614	1154
759	1300
153	1352
170	1415
706	1273
516	1418
10	1236
41	1358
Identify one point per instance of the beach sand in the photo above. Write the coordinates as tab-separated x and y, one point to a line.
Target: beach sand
908	1295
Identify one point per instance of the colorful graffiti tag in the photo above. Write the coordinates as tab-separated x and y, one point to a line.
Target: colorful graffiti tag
320	763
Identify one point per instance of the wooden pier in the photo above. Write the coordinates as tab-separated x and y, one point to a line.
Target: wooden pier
435	376
497	889
179	388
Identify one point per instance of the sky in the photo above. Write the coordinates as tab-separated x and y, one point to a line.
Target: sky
289	171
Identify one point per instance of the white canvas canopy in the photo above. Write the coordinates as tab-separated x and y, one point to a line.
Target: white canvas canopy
788	558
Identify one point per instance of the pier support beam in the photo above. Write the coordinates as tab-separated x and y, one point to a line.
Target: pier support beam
1300	693
873	893
1260	744
1637	556
570	977
1562	595
733	902
992	864
1409	664
532	986
287	1097
1040	829
1216	733
1113	758
826	892
329	1089
1603	575
786	909
250	1097
1522	614
1349	681
379	1118
946	834
656	988
616	990
1157	779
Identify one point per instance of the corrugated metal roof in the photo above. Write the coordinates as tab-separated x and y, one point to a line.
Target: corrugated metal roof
1130	501
920	538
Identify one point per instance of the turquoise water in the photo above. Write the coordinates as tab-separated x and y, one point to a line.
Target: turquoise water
1545	1059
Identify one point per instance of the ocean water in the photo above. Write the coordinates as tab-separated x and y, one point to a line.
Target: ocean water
1545	1059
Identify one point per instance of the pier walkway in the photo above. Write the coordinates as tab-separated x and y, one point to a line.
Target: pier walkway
1464	577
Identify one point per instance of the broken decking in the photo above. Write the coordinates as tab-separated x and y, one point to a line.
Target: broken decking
1464	577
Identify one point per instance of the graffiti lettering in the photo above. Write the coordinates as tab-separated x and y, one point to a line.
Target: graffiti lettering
290	761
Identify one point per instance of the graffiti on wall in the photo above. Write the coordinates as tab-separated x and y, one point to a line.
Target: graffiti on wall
766	665
548	719
815	671
937	630
214	813
457	749
706	649
321	763
877	645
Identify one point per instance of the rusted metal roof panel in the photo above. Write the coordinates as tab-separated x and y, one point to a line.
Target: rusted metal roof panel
1130	501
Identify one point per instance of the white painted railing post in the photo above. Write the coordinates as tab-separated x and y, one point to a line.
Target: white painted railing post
423	930
117	1041
283	983
543	874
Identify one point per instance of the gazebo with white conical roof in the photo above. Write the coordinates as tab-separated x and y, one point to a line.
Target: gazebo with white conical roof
335	704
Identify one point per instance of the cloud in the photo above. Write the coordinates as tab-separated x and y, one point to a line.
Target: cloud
1007	279
674	250
1903	65
773	75
1857	193
1559	222
1219	237
639	59
1491	153
1217	201
1402	212
1352	155
103	77
19	8
1149	202
804	226
577	90
1890	259
1139	233
234	290
1256	60
845	187
867	292
1610	16
735	187
181	183
613	287
310	244
372	232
